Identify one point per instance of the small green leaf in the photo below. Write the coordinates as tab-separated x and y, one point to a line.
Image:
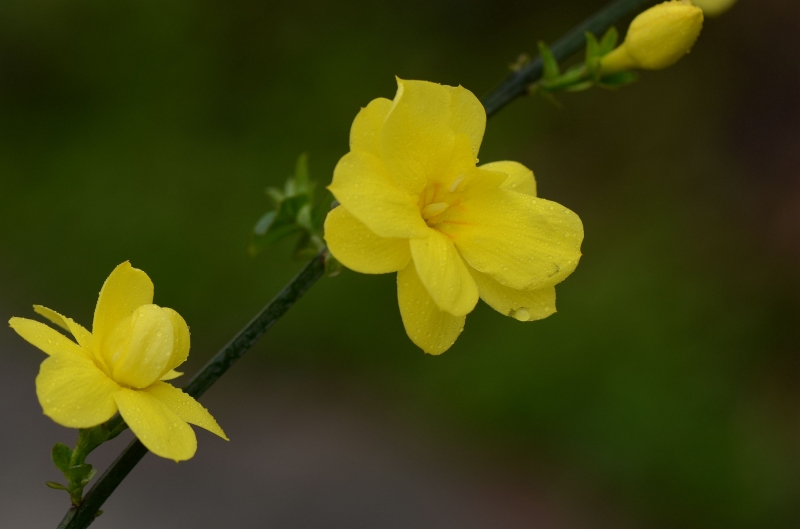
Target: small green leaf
592	47
263	224
609	41
549	63
78	473
55	485
301	173
275	194
618	80
62	454
332	267
579	87
85	481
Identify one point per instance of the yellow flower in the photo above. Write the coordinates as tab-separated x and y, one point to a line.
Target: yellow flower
714	8
414	202
657	38
120	366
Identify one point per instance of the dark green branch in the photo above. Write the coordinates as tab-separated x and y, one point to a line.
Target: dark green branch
82	516
514	86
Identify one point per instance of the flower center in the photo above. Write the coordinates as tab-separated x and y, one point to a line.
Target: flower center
433	210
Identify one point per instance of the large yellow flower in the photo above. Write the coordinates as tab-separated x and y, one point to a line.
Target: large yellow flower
120	366
414	202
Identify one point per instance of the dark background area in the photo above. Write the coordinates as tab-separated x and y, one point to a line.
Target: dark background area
664	393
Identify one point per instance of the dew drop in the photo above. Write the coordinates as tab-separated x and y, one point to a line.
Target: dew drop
521	314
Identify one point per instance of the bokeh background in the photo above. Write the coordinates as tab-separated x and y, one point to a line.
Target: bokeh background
664	393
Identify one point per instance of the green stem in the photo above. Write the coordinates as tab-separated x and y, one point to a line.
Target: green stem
515	85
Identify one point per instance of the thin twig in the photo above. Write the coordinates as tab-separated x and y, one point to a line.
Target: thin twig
512	87
516	84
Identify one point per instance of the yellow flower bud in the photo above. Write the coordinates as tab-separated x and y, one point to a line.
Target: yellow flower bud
713	8
657	38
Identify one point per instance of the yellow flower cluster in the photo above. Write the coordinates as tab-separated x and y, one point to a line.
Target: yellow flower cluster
122	365
414	202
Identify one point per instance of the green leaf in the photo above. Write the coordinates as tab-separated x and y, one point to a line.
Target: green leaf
78	473
549	63
618	80
609	41
592	47
580	87
332	267
85	481
301	178
275	194
62	454
55	485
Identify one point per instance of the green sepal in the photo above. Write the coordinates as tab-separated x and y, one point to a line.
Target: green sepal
62	454
85	481
617	80
78	473
55	485
609	41
580	87
550	67
332	266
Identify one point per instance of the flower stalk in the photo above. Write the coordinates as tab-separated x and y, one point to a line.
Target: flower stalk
514	86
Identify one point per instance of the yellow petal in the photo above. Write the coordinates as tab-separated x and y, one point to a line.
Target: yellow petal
359	249
171	375
46	338
417	138
185	407
74	392
125	290
444	273
520	178
522	305
365	134
523	242
361	184
83	337
431	329
181	341
157	427
419	134
140	348
468	116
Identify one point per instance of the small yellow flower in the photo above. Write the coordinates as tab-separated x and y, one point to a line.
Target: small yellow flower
414	202
120	366
657	38
713	8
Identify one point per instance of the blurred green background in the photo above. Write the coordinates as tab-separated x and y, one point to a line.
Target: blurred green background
664	393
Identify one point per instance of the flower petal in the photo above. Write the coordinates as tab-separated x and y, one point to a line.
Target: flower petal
361	184
431	329
82	336
74	392
419	133
181	341
46	338
468	116
140	348
522	305
185	407
171	375
365	134
157	427
417	138
125	290
359	249
444	273
523	242
520	178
